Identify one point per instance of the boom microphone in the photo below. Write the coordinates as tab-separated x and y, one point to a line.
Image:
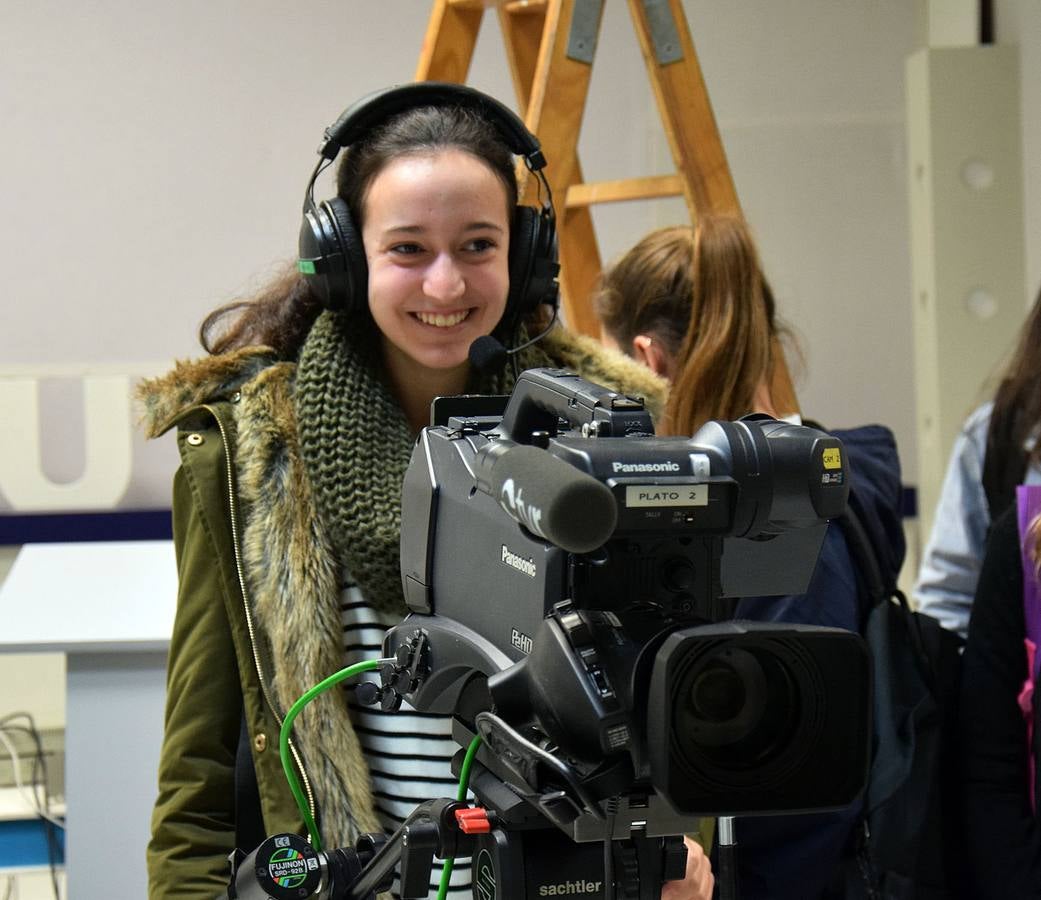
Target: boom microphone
487	354
546	495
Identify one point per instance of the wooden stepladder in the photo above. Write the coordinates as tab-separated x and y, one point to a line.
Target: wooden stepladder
550	46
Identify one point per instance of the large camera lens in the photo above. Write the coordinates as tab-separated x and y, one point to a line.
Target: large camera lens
748	717
734	707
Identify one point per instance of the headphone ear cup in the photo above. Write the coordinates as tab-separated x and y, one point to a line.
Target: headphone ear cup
533	262
522	246
348	281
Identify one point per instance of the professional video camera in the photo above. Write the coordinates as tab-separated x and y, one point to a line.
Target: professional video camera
571	578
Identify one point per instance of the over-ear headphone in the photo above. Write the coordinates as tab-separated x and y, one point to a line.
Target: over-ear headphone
331	253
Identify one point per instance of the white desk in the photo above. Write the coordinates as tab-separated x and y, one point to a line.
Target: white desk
109	608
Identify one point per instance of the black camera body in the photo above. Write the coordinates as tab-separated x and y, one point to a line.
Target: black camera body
571	578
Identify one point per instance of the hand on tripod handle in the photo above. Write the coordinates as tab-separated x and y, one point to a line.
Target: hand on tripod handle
698	883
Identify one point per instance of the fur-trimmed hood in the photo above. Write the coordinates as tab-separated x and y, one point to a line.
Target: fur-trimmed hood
189	383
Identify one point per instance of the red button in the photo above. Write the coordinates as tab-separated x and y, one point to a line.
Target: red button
473	821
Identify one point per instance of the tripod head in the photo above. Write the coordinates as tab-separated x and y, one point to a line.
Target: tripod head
508	863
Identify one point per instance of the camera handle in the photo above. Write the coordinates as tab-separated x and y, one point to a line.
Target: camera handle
543	396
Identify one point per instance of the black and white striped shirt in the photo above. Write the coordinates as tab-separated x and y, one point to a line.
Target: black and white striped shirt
409	752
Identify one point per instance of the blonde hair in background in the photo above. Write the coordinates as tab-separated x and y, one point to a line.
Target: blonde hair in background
701	292
648	289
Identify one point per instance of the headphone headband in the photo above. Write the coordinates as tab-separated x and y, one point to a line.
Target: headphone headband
373	110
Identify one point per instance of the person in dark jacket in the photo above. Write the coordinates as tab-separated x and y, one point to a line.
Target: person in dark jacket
1003	833
693	305
801	856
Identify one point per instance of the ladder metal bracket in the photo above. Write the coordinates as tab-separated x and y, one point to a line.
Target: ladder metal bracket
585	26
664	34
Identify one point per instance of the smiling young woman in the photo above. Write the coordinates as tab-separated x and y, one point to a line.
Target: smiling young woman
295	433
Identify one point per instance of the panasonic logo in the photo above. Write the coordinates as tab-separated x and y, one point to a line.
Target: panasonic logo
520	563
669	466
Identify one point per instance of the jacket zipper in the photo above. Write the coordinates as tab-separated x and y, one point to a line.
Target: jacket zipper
245	603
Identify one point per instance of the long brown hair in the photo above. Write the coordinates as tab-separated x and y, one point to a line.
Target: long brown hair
1016	417
701	292
281	314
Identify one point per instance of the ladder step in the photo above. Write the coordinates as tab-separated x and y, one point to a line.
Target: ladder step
510	6
645	188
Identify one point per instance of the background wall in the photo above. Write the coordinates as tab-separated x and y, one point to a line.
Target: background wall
154	159
157	156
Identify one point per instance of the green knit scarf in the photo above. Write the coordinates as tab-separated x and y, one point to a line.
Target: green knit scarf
356	445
